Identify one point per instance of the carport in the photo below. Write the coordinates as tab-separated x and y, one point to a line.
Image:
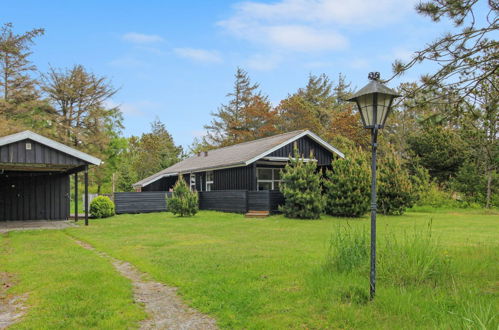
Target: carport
35	177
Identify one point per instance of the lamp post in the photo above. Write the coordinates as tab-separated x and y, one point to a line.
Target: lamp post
374	102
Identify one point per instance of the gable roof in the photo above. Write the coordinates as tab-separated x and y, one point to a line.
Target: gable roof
49	143
241	154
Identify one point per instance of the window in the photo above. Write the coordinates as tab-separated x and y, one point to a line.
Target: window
268	178
193	181
209	180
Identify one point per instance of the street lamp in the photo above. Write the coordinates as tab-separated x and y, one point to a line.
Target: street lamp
374	102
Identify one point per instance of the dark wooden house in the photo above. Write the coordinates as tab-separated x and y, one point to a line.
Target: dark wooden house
34	177
250	166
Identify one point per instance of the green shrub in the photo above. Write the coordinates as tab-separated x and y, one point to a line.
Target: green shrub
395	191
301	187
437	197
347	186
420	180
183	202
101	207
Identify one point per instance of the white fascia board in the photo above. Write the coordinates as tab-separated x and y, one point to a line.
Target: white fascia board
293	139
136	185
286	159
325	144
49	143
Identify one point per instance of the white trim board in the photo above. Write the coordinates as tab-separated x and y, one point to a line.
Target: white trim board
293	139
49	143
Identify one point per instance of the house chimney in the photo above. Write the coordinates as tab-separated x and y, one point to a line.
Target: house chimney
206	153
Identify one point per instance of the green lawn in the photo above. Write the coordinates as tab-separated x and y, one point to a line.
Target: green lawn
68	287
258	273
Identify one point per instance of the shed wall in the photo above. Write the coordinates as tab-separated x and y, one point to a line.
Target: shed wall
34	196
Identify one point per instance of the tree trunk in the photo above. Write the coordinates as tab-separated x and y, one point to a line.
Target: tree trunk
489	187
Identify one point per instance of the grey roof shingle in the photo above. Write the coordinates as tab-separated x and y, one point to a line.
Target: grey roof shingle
238	154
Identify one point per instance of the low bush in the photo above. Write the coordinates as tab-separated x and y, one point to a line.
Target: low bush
183	202
101	207
437	197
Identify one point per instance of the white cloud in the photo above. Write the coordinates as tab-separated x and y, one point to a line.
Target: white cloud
140	38
358	63
199	55
263	62
310	25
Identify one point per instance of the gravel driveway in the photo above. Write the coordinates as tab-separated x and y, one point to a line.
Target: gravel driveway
6	226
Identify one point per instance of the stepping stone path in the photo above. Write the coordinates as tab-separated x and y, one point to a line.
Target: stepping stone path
165	308
11	307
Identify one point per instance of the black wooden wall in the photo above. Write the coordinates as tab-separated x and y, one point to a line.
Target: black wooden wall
163	184
34	196
39	154
305	146
140	202
236	178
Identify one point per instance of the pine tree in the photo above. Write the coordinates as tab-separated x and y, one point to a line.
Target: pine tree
347	186
229	120
79	98
395	192
301	187
259	119
464	57
16	82
183	202
155	151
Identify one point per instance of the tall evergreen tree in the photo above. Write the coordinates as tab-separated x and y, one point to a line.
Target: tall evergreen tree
229	120
155	151
79	98
16	81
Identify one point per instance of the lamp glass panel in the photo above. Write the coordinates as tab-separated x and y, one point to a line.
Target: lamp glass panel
383	104
366	108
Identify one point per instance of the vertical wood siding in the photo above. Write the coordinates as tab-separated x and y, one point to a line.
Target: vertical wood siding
34	196
305	146
236	178
39	154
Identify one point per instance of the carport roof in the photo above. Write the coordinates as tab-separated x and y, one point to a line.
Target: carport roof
50	143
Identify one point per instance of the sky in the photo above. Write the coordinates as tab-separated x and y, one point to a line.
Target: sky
175	60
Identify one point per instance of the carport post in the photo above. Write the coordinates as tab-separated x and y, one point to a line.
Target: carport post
76	196
86	195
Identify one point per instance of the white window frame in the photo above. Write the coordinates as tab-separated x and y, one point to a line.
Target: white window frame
209	183
272	181
192	181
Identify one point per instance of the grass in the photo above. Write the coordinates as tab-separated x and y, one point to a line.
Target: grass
68	287
276	273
